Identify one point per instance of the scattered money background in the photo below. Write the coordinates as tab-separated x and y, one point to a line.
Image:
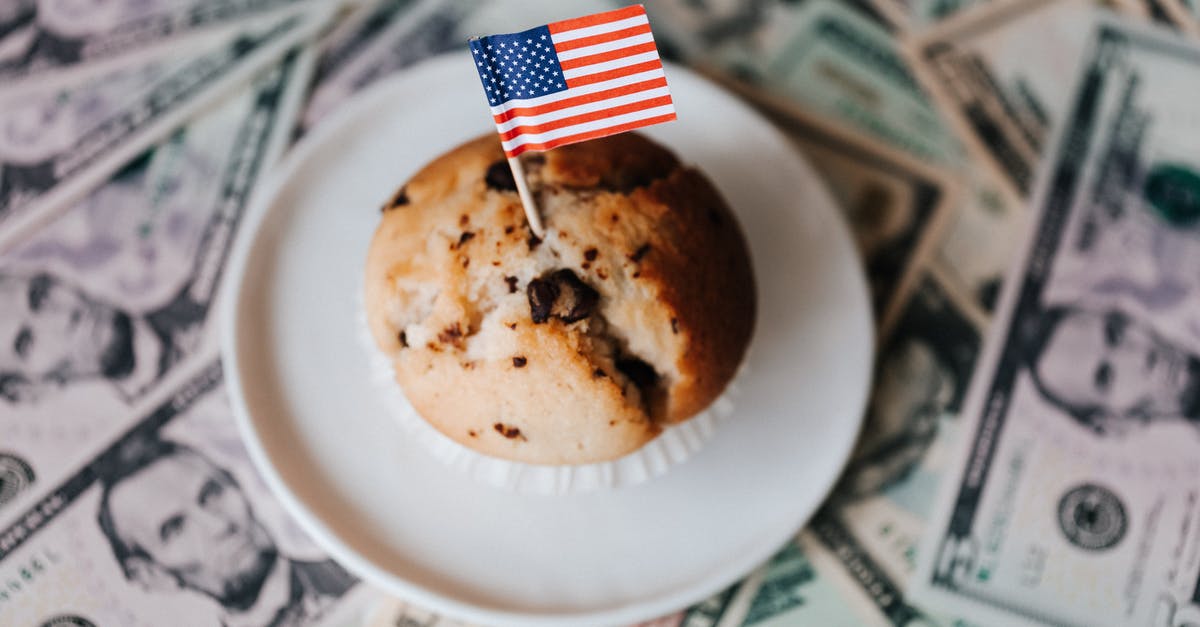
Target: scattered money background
1035	162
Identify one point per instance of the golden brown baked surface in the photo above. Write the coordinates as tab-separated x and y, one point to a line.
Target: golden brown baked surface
634	312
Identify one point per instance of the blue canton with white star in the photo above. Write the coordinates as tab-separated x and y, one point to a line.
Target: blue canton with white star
517	66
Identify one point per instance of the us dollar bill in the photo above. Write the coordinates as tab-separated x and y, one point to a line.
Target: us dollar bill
1074	498
849	73
57	144
110	301
1002	74
897	206
872	524
168	524
43	43
390	35
819	57
854	67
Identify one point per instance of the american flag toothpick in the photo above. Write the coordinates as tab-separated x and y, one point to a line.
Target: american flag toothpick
571	81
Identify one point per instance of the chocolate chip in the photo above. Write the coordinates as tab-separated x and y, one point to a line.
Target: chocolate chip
471	432
563	295
509	229
513	326
464	220
533	242
599	374
641	373
577	299
590	254
500	177
519	362
465	237
541	299
397	201
675	325
451	334
512	284
639	253
507	431
403	339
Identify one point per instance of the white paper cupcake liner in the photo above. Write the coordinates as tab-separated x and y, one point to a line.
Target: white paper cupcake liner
673	446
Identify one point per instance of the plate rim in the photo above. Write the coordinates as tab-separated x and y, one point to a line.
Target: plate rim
262	208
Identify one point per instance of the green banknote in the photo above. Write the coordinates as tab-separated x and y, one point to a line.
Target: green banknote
818	56
897	207
1003	76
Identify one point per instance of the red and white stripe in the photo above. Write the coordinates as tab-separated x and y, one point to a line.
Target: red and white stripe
615	83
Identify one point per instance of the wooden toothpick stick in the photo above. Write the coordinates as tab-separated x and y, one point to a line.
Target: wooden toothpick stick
531	208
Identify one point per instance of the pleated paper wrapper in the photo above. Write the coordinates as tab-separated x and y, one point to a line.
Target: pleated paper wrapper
672	447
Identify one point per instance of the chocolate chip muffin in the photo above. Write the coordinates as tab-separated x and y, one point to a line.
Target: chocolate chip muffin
633	313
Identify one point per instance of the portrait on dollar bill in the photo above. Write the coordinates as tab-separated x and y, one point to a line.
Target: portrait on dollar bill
922	374
175	521
63	335
1115	341
105	301
1109	371
169	520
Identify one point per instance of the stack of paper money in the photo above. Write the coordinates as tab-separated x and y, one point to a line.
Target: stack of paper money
1032	162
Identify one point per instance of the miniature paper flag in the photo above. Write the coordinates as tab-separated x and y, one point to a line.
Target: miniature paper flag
573	80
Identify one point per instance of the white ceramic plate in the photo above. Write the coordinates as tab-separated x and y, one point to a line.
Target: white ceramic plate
384	507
